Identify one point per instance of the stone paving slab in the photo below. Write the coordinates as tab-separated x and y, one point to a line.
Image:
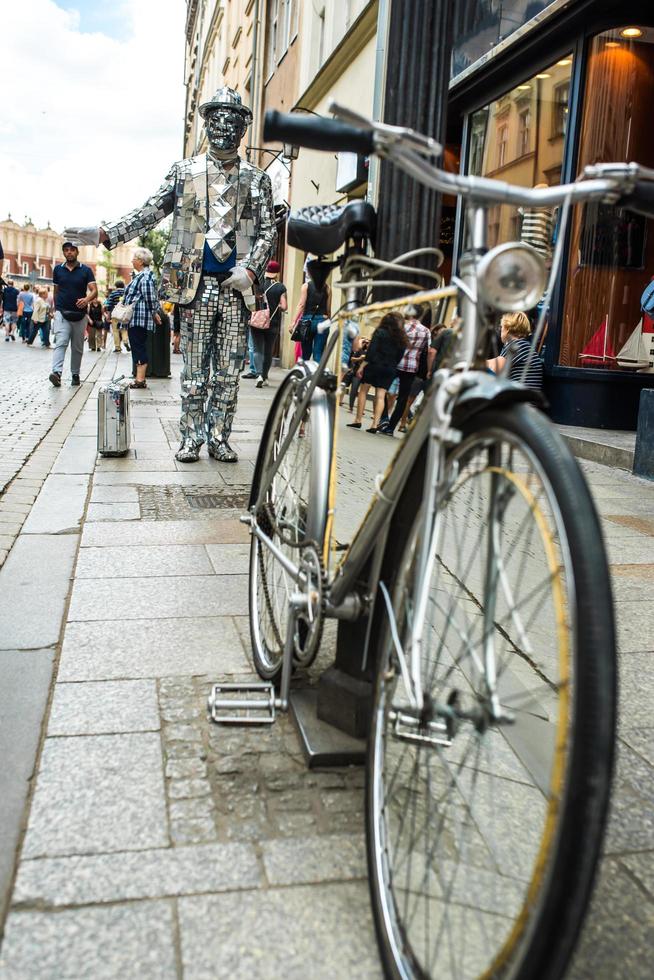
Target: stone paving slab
635	621
99	878
78	454
60	505
32	605
114	495
323	931
205	595
156	560
234	558
104	707
127	941
616	946
22	707
98	793
218	531
307	860
123	511
208	646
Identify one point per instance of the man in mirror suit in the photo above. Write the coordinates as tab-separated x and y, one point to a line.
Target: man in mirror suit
223	234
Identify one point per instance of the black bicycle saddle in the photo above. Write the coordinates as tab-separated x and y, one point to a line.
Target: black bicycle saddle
323	228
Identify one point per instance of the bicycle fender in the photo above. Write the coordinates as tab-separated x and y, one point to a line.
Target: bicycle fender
489	390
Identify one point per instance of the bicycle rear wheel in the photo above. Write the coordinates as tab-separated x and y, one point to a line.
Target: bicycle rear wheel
293	515
483	834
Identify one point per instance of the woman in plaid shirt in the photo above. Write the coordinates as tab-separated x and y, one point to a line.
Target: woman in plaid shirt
418	338
142	295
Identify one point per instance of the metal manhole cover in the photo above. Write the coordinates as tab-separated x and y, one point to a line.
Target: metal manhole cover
174	503
212	501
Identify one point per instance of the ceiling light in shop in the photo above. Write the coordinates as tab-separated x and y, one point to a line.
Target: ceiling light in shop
612	44
564	62
631	32
523	88
543	74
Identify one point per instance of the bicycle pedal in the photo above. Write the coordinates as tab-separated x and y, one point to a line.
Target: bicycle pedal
229	704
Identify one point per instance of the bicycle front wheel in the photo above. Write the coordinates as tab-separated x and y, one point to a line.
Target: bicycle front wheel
486	799
293	515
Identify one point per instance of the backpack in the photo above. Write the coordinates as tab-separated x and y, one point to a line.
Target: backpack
647	300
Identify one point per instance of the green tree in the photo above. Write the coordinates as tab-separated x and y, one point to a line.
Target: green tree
157	241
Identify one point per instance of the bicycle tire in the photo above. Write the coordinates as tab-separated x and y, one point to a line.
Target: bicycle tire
305	500
551	907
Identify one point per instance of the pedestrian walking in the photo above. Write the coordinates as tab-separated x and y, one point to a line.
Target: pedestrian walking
274	293
418	339
95	325
380	367
177	328
25	310
40	321
74	288
141	295
314	307
223	234
10	309
118	330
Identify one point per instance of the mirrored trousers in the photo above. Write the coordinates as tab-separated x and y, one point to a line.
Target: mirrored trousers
213	342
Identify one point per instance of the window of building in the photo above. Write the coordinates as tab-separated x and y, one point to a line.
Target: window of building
611	255
42	272
502	141
560	109
524	131
283	21
6	266
511	139
25	268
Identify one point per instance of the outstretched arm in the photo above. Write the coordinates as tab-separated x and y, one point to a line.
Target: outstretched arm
145	218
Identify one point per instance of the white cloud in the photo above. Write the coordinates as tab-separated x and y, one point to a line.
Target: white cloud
90	124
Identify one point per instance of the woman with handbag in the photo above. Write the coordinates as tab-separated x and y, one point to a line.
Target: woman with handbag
314	307
139	312
265	324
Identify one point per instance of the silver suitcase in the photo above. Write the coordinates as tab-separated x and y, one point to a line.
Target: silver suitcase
113	418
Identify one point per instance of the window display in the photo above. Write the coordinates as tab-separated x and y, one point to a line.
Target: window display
611	256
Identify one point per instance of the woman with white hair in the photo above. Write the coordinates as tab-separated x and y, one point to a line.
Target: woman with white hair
141	295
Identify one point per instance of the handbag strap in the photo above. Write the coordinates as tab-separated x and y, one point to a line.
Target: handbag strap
265	296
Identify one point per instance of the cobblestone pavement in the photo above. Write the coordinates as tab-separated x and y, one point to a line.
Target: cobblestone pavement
159	845
29	408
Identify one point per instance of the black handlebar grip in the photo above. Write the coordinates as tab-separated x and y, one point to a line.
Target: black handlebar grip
641	199
316	133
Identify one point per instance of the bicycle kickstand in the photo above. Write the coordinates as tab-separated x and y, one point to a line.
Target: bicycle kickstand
256	703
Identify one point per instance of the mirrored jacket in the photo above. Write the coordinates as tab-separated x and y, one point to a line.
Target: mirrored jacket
229	205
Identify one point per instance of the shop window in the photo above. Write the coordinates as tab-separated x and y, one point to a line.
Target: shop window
511	139
611	258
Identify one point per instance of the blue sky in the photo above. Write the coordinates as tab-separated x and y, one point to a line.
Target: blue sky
92	117
98	16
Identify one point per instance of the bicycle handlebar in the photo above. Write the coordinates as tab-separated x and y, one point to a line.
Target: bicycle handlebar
316	133
621	184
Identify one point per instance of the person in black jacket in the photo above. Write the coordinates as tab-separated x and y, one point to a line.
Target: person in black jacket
380	366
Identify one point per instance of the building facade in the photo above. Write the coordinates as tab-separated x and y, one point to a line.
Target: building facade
31	254
539	91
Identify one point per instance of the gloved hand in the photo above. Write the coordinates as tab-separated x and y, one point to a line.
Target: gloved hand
241	281
80	235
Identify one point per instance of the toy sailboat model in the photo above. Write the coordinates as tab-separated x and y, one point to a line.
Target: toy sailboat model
599	349
638	352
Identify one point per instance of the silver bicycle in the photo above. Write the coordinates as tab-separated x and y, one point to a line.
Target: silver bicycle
481	573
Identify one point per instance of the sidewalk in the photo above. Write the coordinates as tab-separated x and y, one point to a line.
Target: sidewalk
159	845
